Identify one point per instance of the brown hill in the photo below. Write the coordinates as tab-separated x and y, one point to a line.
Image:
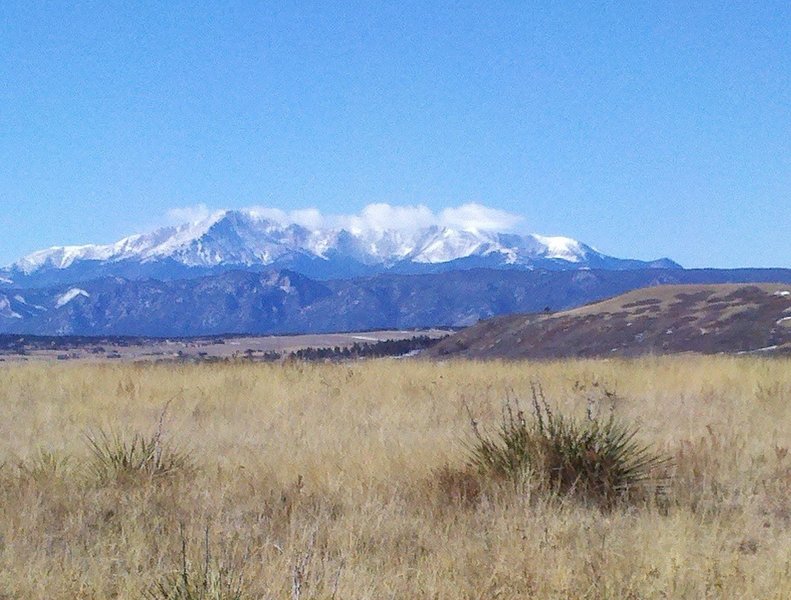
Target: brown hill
708	319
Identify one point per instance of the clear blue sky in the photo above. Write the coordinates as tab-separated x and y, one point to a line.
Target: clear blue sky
646	129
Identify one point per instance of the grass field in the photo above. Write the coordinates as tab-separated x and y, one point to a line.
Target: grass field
347	481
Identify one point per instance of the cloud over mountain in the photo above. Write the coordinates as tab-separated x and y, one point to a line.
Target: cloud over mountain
380	238
373	217
188	214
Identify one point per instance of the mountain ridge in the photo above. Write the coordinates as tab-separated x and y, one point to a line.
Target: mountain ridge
282	301
233	239
702	318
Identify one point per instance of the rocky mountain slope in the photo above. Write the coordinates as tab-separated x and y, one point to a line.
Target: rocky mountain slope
708	319
280	301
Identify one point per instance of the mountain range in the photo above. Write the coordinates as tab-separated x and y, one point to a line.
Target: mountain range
279	301
245	239
243	272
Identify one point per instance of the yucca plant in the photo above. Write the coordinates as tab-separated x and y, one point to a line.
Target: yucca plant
594	460
44	465
116	456
214	584
209	581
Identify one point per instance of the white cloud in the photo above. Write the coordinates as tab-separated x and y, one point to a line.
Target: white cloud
307	217
386	216
188	214
477	216
379	216
271	214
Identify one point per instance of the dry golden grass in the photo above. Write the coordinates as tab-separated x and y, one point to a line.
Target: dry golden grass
345	479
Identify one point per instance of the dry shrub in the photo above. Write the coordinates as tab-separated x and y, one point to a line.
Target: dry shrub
597	461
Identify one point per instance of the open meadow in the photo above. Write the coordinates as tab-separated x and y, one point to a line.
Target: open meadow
351	481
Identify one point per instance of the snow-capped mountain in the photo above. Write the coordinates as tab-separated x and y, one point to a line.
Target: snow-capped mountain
236	239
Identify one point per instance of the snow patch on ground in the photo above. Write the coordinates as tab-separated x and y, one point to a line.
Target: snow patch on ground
73	293
765	349
782	293
409	354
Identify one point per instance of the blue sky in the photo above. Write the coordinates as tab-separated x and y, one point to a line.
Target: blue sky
661	129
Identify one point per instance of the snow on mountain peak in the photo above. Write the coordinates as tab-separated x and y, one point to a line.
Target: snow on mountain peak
562	248
380	236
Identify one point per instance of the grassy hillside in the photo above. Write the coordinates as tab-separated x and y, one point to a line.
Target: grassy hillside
708	319
348	481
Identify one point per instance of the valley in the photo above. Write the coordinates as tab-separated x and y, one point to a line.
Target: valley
19	349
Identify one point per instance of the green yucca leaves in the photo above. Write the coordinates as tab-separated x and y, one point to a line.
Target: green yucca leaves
120	457
598	461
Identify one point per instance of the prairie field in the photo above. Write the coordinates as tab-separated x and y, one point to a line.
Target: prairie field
351	481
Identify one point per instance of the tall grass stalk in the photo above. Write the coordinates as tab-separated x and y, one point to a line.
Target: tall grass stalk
208	581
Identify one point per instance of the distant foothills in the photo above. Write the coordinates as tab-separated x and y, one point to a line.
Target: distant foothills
242	272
